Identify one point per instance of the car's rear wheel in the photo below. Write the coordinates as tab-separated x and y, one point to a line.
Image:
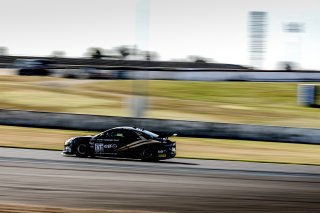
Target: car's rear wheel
82	150
148	154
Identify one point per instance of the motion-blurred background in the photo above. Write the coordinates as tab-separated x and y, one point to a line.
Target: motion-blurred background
212	61
233	68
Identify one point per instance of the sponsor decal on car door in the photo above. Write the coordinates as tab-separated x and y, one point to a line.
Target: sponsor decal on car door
105	147
106	143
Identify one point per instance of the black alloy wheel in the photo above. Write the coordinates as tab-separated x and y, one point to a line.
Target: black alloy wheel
82	150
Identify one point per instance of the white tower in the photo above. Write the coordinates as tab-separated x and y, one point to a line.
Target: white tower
257	31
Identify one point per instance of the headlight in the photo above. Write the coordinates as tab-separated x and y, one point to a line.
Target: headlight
67	149
68	141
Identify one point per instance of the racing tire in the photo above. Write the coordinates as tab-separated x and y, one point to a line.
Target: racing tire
82	150
148	154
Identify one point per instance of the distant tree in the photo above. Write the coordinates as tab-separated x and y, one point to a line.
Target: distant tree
287	65
94	52
58	54
150	55
110	53
97	54
4	51
132	52
124	51
198	59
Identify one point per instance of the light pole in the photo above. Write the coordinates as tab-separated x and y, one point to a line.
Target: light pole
139	100
293	44
142	23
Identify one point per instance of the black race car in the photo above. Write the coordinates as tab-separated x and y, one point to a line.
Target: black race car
123	142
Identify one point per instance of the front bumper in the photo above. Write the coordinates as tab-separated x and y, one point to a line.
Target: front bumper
167	152
67	151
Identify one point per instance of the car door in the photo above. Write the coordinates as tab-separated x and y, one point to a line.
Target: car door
129	142
124	137
107	142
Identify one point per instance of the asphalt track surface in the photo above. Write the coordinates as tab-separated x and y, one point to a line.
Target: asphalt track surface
40	177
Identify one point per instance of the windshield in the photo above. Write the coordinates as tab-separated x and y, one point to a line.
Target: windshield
151	134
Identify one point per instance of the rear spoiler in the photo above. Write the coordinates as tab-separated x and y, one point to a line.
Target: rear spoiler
166	135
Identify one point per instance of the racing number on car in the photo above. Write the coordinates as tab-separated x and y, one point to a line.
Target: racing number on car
98	148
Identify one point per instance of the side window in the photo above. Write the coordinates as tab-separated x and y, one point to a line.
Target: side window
131	136
118	134
146	136
107	135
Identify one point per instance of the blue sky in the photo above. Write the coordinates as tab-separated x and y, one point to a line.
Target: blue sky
216	29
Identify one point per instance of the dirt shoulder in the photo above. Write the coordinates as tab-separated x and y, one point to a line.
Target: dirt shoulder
18	208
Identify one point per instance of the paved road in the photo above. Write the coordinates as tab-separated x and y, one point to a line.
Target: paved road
177	185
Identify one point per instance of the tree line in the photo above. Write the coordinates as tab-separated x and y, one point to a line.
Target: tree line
124	52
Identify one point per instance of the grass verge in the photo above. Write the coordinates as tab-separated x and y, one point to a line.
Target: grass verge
202	148
265	103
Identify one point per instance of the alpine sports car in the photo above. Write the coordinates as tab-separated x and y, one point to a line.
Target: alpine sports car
126	142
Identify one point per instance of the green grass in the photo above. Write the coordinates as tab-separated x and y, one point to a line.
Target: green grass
257	151
235	102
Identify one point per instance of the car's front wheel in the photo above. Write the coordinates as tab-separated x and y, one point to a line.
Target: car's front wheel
82	150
